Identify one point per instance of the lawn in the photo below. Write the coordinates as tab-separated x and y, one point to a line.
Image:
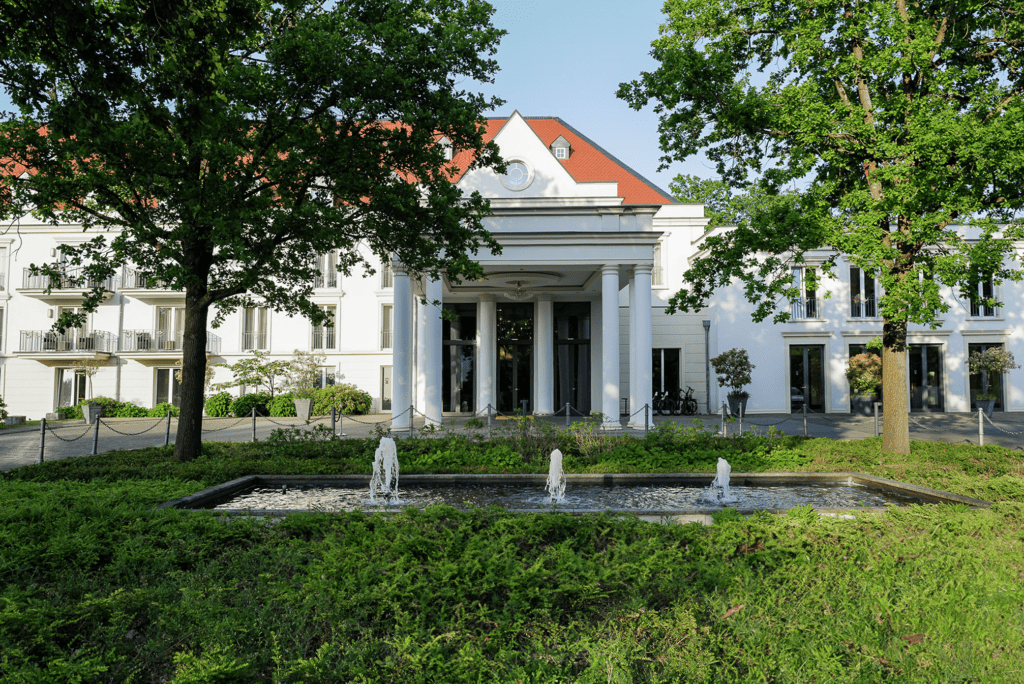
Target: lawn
99	586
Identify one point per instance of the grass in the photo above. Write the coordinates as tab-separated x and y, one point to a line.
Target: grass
99	586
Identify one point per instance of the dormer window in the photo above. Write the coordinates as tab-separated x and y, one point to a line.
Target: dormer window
446	148
560	148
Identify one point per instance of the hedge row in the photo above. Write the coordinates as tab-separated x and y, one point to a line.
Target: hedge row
349	399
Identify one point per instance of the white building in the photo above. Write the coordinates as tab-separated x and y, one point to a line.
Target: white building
571	311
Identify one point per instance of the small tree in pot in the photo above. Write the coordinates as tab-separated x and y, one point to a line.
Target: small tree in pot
992	362
734	368
864	371
302	378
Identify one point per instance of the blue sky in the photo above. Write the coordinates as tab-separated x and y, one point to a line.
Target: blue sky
566	58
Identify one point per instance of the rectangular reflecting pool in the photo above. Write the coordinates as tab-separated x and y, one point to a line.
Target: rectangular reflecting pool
644	494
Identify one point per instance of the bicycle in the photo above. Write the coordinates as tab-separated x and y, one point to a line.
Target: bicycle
663	404
689	404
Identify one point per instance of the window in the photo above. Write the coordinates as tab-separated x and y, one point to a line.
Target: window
3	268
805	305
665	370
327	267
327	377
658	272
323	335
254	329
446	148
863	293
167	387
983	305
385	326
170	328
560	147
562	152
1	331
387	276
70	387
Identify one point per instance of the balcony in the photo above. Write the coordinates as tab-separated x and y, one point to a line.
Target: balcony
158	347
803	308
323	338
60	349
325	280
254	340
70	288
861	307
386	339
148	290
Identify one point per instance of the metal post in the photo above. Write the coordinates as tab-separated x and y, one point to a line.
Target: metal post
334	424
412	425
876	418
566	415
488	418
742	407
167	432
254	423
723	419
981	428
805	419
42	438
647	409
95	436
523	404
341	424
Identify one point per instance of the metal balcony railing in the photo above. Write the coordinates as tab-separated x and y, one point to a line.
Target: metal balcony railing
71	279
131	279
162	341
254	340
70	341
805	308
323	338
386	339
3	280
325	280
387	277
657	276
861	307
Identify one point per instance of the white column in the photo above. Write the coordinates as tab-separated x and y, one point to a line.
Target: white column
487	353
401	376
419	317
640	353
430	361
543	348
610	346
634	399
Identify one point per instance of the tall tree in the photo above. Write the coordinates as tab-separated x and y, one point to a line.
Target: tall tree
220	146
905	118
723	204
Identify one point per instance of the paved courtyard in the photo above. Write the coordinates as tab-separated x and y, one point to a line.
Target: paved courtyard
20	445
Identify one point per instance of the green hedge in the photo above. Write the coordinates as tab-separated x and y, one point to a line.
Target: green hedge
282	406
112	408
161	409
219	405
349	398
243	405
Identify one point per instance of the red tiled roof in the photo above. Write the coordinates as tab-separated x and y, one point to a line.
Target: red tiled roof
586	163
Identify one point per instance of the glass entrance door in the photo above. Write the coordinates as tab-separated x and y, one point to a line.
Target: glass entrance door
572	356
515	356
459	359
925	377
807	377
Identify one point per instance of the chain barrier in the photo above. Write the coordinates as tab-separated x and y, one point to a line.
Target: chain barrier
110	427
747	421
88	429
221	429
1007	432
918	424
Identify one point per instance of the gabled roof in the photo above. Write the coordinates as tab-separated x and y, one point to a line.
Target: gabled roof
588	162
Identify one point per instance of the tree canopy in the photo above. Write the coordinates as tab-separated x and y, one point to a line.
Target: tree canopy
904	121
220	146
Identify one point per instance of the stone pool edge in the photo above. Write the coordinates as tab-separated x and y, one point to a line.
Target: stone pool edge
678	515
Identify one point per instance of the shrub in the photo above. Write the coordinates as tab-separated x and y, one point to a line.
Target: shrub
219	405
112	408
733	368
3	409
864	371
130	410
161	409
243	405
349	398
282	406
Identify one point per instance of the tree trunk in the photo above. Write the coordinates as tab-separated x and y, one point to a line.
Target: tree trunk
193	376
896	432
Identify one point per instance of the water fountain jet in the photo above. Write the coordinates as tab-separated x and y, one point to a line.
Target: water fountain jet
385	472
556	478
718	492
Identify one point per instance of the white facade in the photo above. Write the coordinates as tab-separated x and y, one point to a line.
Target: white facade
572	310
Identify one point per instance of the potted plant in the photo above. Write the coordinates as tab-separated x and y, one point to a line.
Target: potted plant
302	378
91	411
864	371
994	361
734	368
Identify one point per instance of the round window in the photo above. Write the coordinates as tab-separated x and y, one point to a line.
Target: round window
518	175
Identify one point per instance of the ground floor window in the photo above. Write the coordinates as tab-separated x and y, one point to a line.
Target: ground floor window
385	388
665	370
70	387
925	377
807	377
167	387
981	381
328	377
856	350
